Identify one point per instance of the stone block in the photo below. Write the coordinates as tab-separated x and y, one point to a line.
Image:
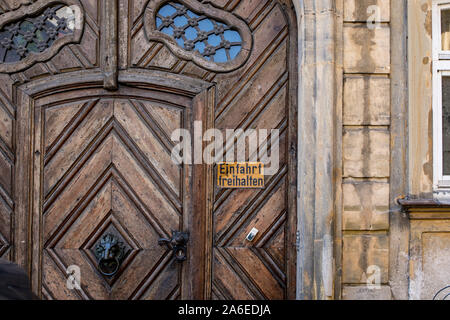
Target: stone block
366	206
367	100
365	256
366	152
365	293
366	50
362	10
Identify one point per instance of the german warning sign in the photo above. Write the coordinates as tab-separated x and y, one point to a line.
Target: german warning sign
240	175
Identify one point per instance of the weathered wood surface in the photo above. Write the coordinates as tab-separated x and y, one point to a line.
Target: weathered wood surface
80	150
105	166
258	95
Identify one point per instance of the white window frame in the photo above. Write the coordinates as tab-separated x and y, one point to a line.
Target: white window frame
441	68
438	53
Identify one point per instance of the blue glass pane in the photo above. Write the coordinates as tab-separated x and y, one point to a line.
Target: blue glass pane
180	21
33	34
19	40
41	35
191	33
232	36
32	47
234	51
200	47
191	14
11	56
180	42
167	11
214	40
220	56
27	26
168	30
205	25
188	34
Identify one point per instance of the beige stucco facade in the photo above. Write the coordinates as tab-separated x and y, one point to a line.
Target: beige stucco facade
375	67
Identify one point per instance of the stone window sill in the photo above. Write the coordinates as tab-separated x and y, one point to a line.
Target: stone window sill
424	209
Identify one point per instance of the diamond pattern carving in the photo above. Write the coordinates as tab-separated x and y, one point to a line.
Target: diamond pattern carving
98	198
113	227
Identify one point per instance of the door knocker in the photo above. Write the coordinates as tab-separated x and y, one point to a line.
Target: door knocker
110	253
178	244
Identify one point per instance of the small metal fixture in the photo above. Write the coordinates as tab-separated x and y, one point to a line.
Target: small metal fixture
110	253
251	236
178	244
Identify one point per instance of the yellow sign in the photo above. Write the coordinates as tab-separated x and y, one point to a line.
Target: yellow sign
240	175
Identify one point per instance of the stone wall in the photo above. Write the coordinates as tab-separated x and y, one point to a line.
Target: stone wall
366	149
353	153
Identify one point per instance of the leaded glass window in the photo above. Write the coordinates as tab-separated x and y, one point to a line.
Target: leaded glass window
35	34
214	40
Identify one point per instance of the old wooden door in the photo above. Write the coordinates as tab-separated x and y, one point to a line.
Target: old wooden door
90	94
102	166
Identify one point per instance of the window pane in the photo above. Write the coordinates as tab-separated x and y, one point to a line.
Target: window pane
36	34
214	40
445	29
446	124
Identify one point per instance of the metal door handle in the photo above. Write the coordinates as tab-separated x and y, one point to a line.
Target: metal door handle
178	244
110	253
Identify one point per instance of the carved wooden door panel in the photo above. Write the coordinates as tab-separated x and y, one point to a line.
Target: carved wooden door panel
90	93
103	167
255	89
255	74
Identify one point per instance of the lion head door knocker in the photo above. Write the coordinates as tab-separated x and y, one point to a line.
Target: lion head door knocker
110	253
178	244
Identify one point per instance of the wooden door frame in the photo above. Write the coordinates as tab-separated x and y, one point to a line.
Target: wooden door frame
196	274
319	195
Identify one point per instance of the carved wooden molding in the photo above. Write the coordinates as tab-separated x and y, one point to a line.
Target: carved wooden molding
109	45
16	4
140	78
201	9
33	10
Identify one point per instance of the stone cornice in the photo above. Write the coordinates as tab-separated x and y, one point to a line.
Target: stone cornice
424	209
